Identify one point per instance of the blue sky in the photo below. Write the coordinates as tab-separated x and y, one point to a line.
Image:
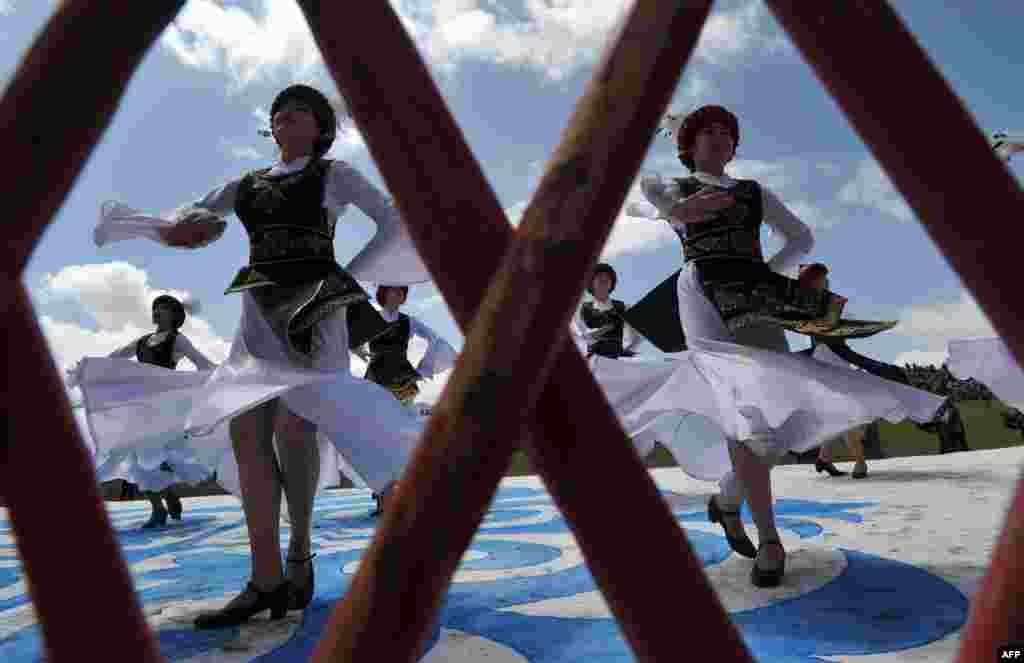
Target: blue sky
511	72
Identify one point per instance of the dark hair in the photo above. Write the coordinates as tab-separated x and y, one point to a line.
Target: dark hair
177	307
326	118
602	268
812	271
697	120
381	289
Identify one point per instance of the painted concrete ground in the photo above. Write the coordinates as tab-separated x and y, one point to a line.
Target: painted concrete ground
879	570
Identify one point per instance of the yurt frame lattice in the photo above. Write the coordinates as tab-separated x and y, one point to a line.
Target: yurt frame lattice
518	380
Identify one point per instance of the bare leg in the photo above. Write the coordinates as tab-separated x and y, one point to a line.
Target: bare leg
855	443
824	462
754	475
730	498
300	470
259	478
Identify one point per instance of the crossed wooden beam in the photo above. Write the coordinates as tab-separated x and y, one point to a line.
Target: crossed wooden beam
517	381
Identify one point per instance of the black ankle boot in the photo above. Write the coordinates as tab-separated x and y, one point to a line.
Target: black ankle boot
250	602
156	519
301	595
174	507
741	545
767	577
832	470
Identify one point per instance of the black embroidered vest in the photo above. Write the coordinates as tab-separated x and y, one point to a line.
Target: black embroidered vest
608	343
726	251
291	239
389	362
732	234
292	273
161	354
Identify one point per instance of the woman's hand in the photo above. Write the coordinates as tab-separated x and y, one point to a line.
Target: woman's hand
701	205
194	230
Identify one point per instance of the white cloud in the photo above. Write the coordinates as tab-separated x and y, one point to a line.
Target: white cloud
922	358
421	305
250	46
871	187
811	214
943	321
6	6
348	142
242	152
515	213
771	174
119	298
553	37
632	234
828	168
731	35
934	325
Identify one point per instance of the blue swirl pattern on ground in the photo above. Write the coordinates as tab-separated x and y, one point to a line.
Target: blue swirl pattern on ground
875	605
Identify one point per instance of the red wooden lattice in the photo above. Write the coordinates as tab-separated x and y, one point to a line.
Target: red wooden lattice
513	384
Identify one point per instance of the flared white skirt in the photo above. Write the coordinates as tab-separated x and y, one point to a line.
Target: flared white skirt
988	361
774	402
132	406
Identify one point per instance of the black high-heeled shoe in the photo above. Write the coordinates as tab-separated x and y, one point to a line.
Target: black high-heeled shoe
174	507
860	471
301	595
250	602
832	470
156	519
740	545
767	577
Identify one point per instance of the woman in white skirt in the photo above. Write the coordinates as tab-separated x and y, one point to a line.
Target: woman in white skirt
598	325
387	358
288	370
726	411
155	470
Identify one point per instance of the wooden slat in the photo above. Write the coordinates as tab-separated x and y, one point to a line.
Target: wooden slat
83	589
898	103
963	195
439	187
59	103
88	591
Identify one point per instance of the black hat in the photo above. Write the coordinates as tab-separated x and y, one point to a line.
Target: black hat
602	268
326	118
175	305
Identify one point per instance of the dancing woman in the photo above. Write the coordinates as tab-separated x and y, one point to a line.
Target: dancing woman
599	323
288	372
815	275
155	471
387	357
741	407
